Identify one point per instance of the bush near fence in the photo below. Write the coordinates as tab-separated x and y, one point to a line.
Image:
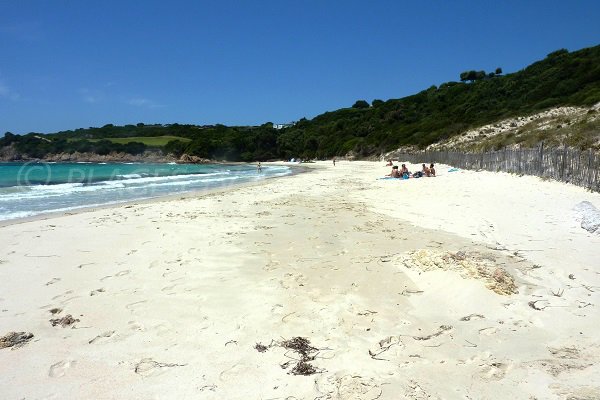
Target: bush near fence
579	167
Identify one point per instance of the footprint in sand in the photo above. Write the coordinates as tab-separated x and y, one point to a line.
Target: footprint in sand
96	292
52	281
231	372
494	371
472	317
170	288
349	387
136	326
103	337
271	266
292	280
60	368
62	295
489	331
117	275
149	367
65	298
133	307
162	330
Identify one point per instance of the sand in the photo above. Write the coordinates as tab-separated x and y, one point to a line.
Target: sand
470	285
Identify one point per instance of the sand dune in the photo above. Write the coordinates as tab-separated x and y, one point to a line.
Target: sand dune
470	285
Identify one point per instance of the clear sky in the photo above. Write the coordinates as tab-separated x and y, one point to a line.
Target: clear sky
72	64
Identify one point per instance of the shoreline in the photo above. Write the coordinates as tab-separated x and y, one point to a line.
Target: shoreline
394	284
296	169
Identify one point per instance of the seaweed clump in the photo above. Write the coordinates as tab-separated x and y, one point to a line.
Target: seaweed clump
261	348
305	352
64	321
15	339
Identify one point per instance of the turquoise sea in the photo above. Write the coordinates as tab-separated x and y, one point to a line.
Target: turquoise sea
34	188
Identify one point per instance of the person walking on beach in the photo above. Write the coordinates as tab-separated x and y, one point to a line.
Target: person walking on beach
259	167
334	161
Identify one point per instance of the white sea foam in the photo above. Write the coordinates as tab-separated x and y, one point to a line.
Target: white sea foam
66	189
63	189
129	176
191	182
25	214
24	201
16	214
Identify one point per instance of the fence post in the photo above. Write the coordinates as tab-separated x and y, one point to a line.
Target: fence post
562	164
590	170
542	159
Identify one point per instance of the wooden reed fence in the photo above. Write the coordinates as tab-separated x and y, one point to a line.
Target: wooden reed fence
581	168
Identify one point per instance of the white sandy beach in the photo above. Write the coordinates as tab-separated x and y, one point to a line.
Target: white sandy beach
470	285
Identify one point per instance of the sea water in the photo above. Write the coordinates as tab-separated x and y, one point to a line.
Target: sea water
34	188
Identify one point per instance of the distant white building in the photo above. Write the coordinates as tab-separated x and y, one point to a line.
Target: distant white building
281	126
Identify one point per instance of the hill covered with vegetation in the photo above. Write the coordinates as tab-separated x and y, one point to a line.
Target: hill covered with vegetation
436	114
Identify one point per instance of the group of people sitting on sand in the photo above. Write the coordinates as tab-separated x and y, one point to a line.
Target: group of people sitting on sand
403	172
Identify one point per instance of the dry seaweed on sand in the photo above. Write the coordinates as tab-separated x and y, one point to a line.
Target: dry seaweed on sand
303	368
15	339
261	348
467	264
65	321
441	331
301	346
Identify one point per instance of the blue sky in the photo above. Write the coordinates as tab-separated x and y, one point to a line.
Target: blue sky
71	64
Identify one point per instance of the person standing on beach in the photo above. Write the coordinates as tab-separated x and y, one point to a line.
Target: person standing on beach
334	161
259	167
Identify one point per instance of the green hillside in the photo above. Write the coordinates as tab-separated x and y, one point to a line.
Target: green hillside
151	141
437	113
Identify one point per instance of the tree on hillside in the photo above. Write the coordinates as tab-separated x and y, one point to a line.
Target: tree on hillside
558	53
377	102
361	104
8	137
467	76
472	76
498	71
